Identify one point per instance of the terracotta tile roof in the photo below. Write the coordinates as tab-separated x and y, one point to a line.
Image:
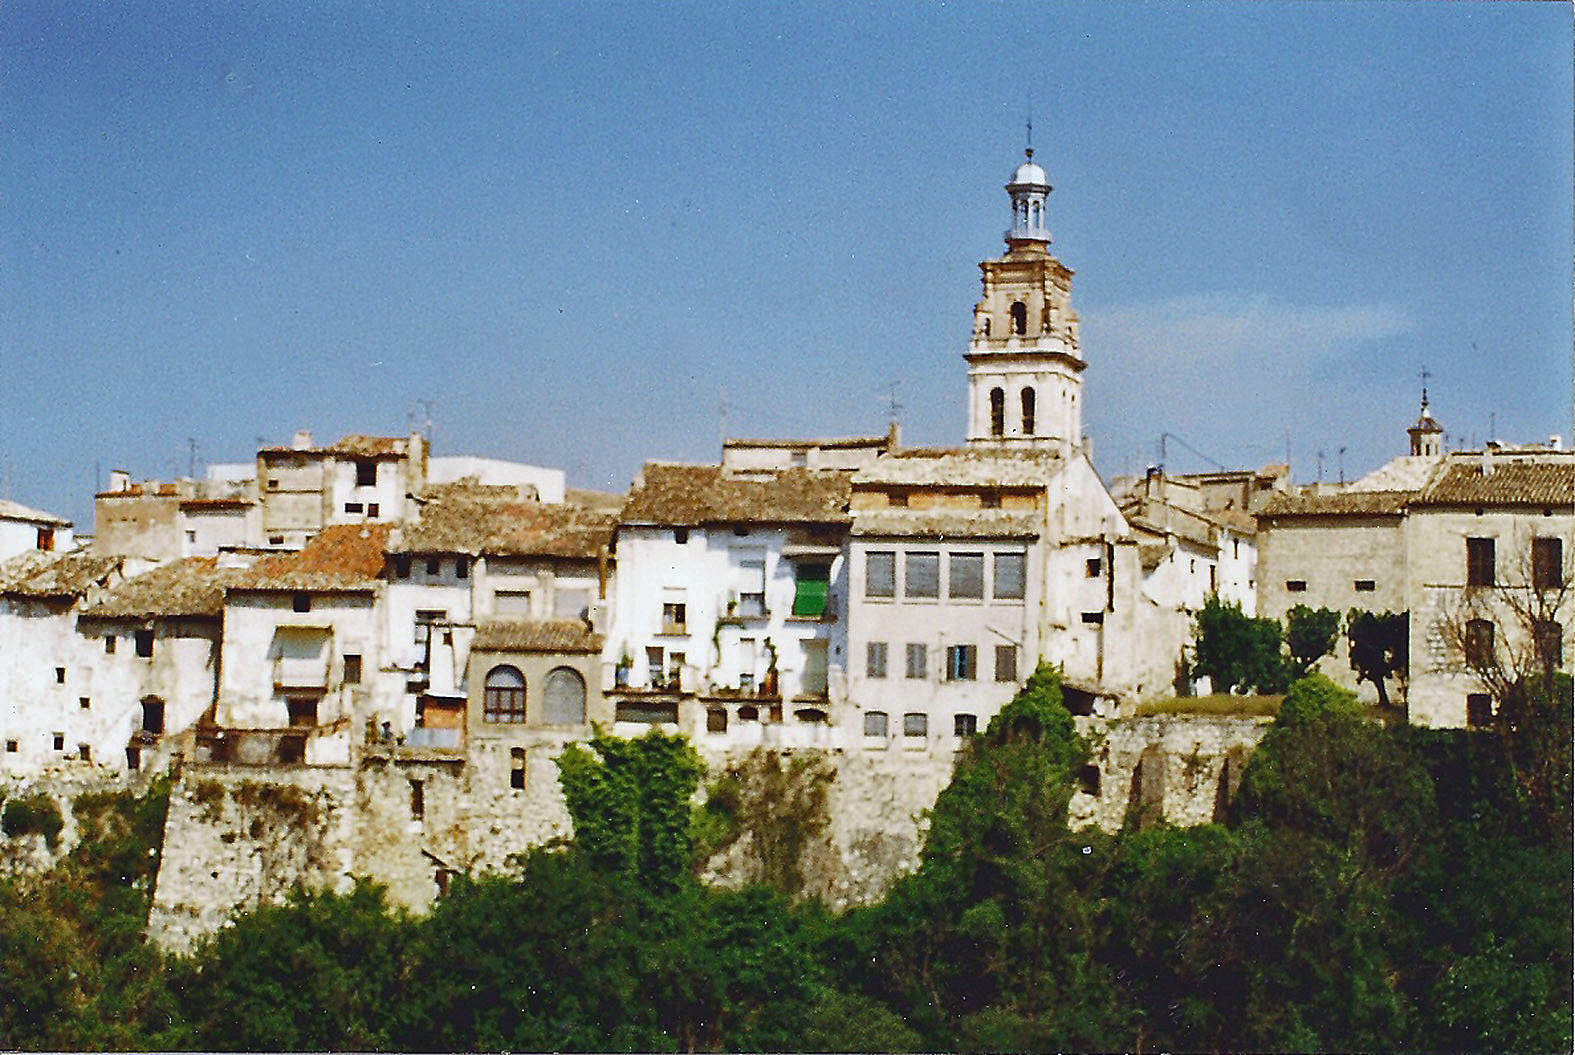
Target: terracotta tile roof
549	635
16	511
371	446
39	574
192	586
1344	503
340	557
929	523
963	466
668	493
1530	483
475	519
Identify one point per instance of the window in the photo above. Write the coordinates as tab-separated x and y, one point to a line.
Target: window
716	720
875	659
402	566
1019	317
880	574
673	617
434	565
997	412
655	664
84	752
897	500
675	671
275	540
961	661
352	669
503	696
511	603
1010	574
563	697
85	702
60	741
1088	780
461	568
811	584
60	672
1547	563
144	643
921	575
302	710
875	723
517	768
1549	637
1027	397
1479	643
1091	567
964	725
1093	618
109	644
915	724
1479	710
153	715
353	507
918	660
418	799
1479	562
11	747
371	509
1005	662
301	602
1296	585
965	576
1365	586
990	500
425	617
365	472
681	535
133	758
751	580
46	539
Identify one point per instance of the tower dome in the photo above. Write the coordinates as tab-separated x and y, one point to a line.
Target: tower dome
1029	188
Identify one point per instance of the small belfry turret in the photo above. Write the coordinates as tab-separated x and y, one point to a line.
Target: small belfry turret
1426	435
1024	367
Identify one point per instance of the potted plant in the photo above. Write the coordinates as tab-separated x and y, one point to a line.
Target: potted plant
621	670
768	684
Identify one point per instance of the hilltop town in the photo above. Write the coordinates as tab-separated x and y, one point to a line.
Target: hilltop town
362	658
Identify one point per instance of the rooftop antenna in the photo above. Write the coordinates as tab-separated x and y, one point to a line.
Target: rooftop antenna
427	427
1342	458
191	457
894	408
1320	465
722	416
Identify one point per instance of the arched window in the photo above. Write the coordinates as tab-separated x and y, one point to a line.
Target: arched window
563	701
1019	317
997	412
503	699
1028	412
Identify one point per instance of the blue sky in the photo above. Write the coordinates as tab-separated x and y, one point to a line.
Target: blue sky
573	227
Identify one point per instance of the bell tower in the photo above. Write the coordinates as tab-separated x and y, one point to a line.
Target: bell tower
1024	367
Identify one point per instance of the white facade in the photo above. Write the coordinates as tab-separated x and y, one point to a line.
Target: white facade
23	530
549	483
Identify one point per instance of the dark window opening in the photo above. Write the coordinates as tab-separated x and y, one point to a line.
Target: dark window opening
46	538
153	716
1479	643
681	535
1479	710
997	412
1365	586
1091	567
418	799
301	602
84	752
716	720
109	644
1547	563
402	566
84	702
461	568
60	672
1296	585
965	725
60	741
353	507
1088	780
915	724
1093	618
647	712
517	768
1028	411
1479	562
144	639
674	617
366	472
371	509
1549	637
961	662
11	747
134	759
352	669
302	711
434	565
1019	317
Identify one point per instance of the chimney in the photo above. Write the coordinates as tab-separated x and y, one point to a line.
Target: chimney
119	481
302	440
1487	458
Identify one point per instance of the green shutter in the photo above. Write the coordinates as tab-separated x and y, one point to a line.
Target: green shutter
809	595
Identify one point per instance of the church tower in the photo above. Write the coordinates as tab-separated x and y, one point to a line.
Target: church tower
1024	368
1426	435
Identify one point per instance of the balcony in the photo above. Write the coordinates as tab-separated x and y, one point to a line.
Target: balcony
297	674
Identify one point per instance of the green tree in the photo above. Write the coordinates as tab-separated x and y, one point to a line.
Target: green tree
1235	650
1310	635
1380	647
323	972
